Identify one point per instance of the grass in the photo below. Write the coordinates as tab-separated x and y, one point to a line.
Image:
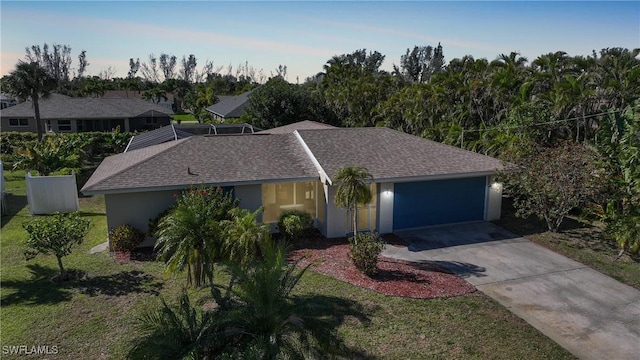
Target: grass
184	118
579	240
94	317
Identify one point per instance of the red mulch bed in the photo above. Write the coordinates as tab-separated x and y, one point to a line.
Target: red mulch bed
397	278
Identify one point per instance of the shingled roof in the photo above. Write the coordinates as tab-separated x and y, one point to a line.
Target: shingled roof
230	107
212	160
298	152
64	107
392	155
300	125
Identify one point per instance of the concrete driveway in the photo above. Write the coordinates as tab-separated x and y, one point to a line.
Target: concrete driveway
590	314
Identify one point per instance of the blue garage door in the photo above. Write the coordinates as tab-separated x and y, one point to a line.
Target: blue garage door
437	202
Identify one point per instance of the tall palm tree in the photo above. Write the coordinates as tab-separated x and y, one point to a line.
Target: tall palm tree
353	190
31	81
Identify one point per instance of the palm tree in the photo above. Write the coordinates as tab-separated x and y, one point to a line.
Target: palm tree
269	321
179	332
353	190
246	237
30	80
192	236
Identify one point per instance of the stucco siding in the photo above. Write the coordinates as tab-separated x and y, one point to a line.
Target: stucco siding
4	123
136	209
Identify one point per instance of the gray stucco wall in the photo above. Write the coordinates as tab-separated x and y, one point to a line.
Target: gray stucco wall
136	209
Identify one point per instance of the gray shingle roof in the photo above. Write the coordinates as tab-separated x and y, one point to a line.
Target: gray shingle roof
263	157
218	160
64	107
301	125
390	154
231	107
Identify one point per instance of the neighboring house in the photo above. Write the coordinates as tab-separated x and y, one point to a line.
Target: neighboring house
61	113
416	182
230	107
6	101
167	102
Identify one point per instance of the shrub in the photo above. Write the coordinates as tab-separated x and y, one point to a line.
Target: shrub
125	238
365	248
295	224
153	223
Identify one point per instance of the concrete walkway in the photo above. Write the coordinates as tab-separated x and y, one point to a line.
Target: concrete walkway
590	314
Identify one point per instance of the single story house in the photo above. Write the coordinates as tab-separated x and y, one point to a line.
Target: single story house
66	114
416	182
167	101
229	107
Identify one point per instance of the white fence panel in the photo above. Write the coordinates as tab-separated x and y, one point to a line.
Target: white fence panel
50	194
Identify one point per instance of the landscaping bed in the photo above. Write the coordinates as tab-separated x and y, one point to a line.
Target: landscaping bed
396	278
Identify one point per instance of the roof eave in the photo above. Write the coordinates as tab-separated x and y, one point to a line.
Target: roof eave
183	186
434	177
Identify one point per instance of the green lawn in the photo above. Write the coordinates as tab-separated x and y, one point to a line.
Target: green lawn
184	118
92	318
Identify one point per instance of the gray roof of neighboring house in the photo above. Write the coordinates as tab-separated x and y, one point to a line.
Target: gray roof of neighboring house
301	125
64	107
390	154
232	106
218	160
130	94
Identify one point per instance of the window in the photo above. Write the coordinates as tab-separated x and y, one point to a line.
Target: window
64	125
18	122
301	196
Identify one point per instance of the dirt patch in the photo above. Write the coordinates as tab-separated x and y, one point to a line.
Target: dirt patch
396	278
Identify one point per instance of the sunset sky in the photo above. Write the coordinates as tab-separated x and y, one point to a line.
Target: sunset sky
304	35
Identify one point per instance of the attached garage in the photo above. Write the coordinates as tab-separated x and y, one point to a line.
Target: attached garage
436	202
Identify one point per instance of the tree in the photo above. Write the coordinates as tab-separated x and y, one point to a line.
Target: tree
618	142
54	153
353	190
258	318
188	69
56	62
55	234
192	236
246	237
168	66
419	64
278	103
82	64
269	321
31	81
550	182
179	332
134	66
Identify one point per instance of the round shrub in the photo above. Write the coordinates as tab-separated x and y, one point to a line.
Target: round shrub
365	248
295	224
125	238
